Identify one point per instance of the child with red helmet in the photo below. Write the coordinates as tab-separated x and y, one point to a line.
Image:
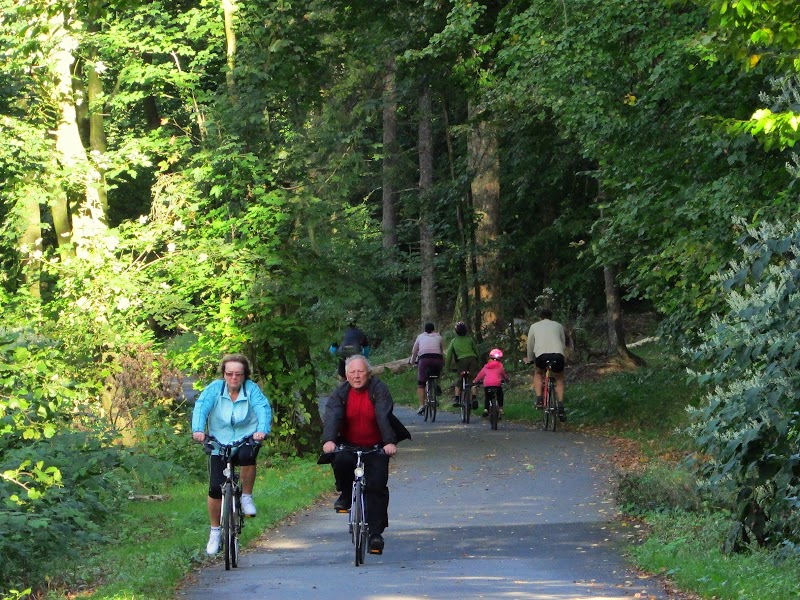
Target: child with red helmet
493	375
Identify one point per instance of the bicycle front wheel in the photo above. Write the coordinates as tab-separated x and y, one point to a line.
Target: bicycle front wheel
359	525
238	519
228	526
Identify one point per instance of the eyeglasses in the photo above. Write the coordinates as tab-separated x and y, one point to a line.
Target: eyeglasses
230	374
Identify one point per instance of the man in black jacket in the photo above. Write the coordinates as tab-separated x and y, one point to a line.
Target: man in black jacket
359	413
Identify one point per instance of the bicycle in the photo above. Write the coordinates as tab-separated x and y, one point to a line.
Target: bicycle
465	395
231	515
549	399
431	396
358	526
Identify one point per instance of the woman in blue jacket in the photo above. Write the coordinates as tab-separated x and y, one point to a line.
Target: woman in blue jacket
231	408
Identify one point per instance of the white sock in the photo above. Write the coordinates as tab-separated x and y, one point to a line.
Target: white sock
215	528
247	496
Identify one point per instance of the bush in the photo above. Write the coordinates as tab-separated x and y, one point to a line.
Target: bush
749	424
39	529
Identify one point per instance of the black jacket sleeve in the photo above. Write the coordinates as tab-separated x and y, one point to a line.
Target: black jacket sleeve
334	413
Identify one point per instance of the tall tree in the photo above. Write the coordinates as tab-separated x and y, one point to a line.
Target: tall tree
484	169
82	194
427	243
390	160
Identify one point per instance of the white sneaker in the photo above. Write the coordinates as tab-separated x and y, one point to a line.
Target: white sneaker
214	538
248	508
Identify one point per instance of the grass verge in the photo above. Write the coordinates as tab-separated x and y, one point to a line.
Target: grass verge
685	547
157	543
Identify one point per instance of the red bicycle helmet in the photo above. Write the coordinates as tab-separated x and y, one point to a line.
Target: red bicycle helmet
496	353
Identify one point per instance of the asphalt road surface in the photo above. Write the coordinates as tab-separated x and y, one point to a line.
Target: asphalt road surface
516	513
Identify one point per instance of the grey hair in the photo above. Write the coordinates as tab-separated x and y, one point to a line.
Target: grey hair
350	359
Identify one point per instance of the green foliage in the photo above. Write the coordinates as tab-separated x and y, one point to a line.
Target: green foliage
644	112
748	424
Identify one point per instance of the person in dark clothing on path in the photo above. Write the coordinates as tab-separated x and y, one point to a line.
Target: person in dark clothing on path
353	342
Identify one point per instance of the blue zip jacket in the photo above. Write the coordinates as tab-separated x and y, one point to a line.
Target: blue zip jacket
230	421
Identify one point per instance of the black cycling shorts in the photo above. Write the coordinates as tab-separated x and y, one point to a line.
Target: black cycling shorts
557	361
245	457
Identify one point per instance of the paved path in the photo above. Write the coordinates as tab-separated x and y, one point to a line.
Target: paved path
474	514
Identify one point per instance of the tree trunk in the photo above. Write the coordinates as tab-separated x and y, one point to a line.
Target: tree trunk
484	167
427	244
616	329
462	303
389	221
88	218
149	103
229	8
30	242
97	133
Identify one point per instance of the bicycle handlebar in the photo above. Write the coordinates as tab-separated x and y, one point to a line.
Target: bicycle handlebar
348	448
211	443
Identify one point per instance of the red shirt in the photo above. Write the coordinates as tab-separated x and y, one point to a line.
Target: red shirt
360	427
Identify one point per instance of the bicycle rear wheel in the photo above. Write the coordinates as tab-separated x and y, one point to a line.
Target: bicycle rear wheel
494	413
359	526
546	406
228	525
466	403
433	401
552	403
430	413
427	409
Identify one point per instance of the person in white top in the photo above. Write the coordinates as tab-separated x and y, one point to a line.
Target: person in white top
547	341
428	354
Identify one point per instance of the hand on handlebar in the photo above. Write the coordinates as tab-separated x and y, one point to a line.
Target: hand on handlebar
390	449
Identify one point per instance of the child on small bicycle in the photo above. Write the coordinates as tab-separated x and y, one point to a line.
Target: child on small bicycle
493	375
